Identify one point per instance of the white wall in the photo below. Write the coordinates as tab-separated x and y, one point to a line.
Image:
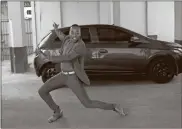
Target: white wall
105	9
46	13
133	16
161	20
178	20
80	13
16	24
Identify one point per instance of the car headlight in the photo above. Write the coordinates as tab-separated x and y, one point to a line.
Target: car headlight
46	52
179	51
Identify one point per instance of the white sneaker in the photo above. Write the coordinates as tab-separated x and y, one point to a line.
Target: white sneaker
55	116
120	111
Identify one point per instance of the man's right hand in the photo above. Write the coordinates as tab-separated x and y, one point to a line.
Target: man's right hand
60	34
55	25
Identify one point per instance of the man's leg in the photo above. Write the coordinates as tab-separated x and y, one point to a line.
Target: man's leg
56	82
77	87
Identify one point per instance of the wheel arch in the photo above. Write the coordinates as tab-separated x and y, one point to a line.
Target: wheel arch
159	56
44	65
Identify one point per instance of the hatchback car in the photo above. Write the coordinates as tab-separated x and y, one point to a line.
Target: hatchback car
114	50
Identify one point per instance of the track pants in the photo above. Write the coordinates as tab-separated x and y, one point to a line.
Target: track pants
60	80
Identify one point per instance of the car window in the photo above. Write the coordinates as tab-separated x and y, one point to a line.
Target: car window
46	36
122	36
66	32
85	34
112	34
105	34
45	40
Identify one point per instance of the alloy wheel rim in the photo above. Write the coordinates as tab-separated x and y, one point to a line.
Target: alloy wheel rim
162	69
50	72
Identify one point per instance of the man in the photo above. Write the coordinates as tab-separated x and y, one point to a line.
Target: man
73	75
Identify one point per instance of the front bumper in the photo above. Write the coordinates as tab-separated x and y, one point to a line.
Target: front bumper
179	63
39	62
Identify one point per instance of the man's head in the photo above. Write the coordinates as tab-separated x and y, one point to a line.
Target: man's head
75	32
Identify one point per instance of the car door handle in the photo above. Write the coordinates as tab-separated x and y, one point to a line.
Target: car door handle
103	51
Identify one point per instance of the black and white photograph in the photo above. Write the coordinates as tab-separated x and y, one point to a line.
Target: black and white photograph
91	64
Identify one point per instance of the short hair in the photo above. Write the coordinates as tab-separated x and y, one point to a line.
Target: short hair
75	25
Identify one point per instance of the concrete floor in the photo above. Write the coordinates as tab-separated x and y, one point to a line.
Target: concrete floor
150	105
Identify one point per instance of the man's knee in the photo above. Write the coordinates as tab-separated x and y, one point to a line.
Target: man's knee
42	91
87	104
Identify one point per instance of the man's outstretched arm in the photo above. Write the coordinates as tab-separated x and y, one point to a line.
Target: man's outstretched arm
78	51
58	32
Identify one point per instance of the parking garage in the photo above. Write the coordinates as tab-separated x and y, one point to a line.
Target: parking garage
150	105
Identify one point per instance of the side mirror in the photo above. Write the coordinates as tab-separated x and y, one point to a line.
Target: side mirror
134	38
152	37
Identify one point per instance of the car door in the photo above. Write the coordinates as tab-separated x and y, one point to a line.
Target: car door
90	64
114	52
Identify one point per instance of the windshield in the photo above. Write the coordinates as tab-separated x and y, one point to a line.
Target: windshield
44	39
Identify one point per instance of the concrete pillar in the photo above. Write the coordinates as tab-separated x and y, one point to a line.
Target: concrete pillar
37	17
116	13
105	13
18	50
178	22
133	16
161	20
34	26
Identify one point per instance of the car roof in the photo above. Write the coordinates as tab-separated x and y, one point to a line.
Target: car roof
106	25
92	25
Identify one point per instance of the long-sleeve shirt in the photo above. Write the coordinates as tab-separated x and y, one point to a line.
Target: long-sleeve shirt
66	66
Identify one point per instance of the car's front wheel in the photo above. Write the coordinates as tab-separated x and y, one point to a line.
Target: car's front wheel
161	70
48	72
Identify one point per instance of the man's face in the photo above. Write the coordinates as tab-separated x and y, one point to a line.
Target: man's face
75	33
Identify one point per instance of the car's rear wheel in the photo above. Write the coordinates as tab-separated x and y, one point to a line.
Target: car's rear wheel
162	70
48	72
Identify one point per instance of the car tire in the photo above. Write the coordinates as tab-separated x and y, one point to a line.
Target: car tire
48	72
161	70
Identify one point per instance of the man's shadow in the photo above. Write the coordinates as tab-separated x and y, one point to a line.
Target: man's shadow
62	123
119	79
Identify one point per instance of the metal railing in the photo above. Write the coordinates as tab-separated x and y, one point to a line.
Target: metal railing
28	30
5	53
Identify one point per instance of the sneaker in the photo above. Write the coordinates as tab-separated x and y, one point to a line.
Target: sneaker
120	111
57	115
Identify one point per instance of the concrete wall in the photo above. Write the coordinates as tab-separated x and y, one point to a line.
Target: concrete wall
178	20
161	20
80	13
133	16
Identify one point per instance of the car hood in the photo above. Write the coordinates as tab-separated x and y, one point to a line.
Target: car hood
170	45
157	44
